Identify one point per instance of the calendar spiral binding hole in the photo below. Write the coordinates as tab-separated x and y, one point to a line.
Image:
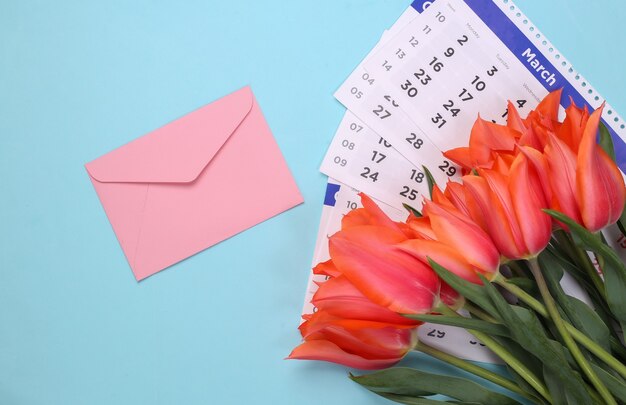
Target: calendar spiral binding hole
564	66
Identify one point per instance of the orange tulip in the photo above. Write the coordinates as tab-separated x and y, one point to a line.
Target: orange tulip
359	344
369	258
457	230
366	252
350	329
585	184
512	207
599	183
486	140
493	144
340	298
562	177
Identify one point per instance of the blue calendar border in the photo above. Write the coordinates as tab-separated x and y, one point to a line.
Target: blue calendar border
331	191
517	42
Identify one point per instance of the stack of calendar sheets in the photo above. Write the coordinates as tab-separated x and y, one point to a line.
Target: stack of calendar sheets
418	93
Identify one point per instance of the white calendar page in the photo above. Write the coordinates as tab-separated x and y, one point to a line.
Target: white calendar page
419	91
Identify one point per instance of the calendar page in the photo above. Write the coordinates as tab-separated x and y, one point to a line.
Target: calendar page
418	92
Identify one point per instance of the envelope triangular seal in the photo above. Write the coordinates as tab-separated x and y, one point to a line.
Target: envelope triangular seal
178	151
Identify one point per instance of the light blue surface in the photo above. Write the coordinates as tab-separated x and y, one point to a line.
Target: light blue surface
79	78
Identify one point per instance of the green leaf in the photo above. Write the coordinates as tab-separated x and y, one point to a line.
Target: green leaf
606	142
615	384
557	390
470	291
525	284
531	363
402	399
570	267
430	179
412	210
587	321
528	331
466	323
600	305
579	314
614	269
414	383
618	349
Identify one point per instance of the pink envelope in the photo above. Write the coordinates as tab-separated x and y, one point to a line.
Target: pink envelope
193	183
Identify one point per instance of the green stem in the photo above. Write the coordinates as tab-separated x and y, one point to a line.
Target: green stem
567	337
472	368
506	356
580	337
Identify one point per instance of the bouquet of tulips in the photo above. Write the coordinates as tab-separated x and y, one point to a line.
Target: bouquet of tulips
532	205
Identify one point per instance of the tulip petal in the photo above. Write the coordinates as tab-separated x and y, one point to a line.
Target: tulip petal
455	193
421	227
549	106
368	339
356	217
531	139
513	119
487	137
502	163
341	298
378	217
562	163
444	255
441	199
460	156
388	277
370	214
450	296
384	342
464	235
500	195
326	268
496	219
528	201
541	169
571	131
327	351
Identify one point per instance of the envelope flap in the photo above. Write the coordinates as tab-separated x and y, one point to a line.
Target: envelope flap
178	151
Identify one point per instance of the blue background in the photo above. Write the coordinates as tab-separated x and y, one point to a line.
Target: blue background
79	78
